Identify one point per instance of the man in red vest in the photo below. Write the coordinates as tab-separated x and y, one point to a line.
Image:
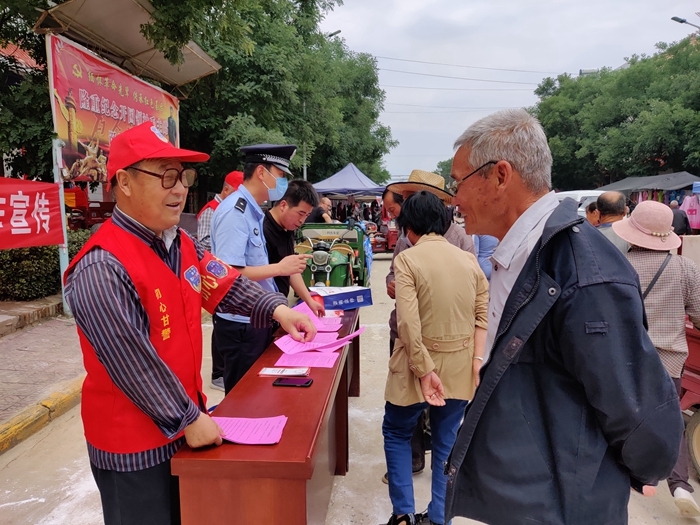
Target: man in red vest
136	290
231	183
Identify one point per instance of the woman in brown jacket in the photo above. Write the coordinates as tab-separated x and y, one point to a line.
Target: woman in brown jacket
441	302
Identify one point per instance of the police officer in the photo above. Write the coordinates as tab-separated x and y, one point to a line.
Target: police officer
238	239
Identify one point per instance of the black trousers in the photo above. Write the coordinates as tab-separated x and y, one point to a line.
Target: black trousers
217	360
143	497
679	475
240	345
420	432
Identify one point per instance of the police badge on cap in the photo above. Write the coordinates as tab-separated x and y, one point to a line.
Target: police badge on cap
278	155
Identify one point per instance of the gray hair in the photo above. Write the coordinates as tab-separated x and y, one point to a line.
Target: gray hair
515	136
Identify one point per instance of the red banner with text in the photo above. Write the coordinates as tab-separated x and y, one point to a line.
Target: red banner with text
93	101
30	214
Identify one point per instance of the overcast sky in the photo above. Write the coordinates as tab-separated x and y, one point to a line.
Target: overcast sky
544	38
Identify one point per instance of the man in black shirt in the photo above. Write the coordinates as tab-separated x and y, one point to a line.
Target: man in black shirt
681	224
321	213
279	225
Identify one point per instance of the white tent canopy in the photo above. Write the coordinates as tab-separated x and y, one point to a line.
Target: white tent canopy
348	181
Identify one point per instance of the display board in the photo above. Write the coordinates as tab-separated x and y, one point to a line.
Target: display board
93	101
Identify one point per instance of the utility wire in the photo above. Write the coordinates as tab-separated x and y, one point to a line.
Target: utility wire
469	67
454	89
445	107
459	78
435	112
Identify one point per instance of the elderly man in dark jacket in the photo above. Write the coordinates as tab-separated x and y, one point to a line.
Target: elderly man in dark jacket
574	405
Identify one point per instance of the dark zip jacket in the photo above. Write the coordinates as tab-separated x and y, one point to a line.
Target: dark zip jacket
574	404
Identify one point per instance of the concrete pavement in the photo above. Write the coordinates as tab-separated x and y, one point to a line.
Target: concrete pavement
41	369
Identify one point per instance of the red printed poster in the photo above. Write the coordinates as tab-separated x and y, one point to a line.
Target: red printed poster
30	214
93	101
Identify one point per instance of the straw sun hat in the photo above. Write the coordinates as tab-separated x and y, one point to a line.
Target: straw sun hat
420	180
649	227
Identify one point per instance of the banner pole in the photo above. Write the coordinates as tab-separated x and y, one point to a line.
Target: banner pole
58	144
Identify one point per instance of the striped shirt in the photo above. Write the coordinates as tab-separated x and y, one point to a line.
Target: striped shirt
673	296
108	310
204	225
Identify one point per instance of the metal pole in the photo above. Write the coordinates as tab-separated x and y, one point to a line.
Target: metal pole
58	144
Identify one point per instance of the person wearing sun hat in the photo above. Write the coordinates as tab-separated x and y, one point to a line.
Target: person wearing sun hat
670	284
136	290
417	181
422	180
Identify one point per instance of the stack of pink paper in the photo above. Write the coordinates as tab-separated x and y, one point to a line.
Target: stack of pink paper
252	431
323	324
325	344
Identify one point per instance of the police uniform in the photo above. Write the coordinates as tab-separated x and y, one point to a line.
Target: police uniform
238	239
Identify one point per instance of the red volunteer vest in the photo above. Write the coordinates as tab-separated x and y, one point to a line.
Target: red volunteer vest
213	204
112	422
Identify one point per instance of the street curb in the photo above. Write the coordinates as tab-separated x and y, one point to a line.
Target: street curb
34	418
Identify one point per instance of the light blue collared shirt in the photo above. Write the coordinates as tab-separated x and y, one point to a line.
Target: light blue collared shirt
237	237
510	256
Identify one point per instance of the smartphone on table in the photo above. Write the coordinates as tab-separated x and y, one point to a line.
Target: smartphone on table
293	381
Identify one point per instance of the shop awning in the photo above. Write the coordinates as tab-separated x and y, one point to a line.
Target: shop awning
112	29
668	182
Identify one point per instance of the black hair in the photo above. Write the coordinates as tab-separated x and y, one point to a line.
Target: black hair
423	213
300	191
611	204
249	169
593	206
398	198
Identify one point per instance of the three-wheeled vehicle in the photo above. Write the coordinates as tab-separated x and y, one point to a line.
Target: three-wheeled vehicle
690	392
340	254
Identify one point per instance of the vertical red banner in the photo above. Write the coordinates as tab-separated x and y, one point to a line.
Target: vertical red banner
30	214
93	101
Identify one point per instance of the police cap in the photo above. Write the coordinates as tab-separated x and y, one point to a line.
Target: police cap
278	155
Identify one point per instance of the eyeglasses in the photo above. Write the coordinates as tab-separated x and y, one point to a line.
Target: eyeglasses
455	184
169	178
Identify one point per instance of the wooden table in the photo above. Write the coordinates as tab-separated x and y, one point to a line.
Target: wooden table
290	482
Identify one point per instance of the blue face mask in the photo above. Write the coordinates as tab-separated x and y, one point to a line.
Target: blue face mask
275	194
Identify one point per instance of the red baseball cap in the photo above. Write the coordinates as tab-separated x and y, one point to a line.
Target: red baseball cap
235	179
145	141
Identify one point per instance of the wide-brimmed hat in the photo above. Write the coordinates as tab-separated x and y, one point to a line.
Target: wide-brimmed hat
649	226
420	180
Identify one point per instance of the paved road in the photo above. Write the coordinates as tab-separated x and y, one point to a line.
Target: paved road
46	480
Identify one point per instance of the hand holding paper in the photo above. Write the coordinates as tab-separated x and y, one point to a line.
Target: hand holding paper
322	324
295	323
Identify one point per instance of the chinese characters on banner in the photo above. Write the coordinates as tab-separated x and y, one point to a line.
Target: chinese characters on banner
93	101
30	214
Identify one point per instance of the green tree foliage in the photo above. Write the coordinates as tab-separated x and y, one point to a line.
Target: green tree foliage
637	121
26	129
444	169
296	86
282	81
